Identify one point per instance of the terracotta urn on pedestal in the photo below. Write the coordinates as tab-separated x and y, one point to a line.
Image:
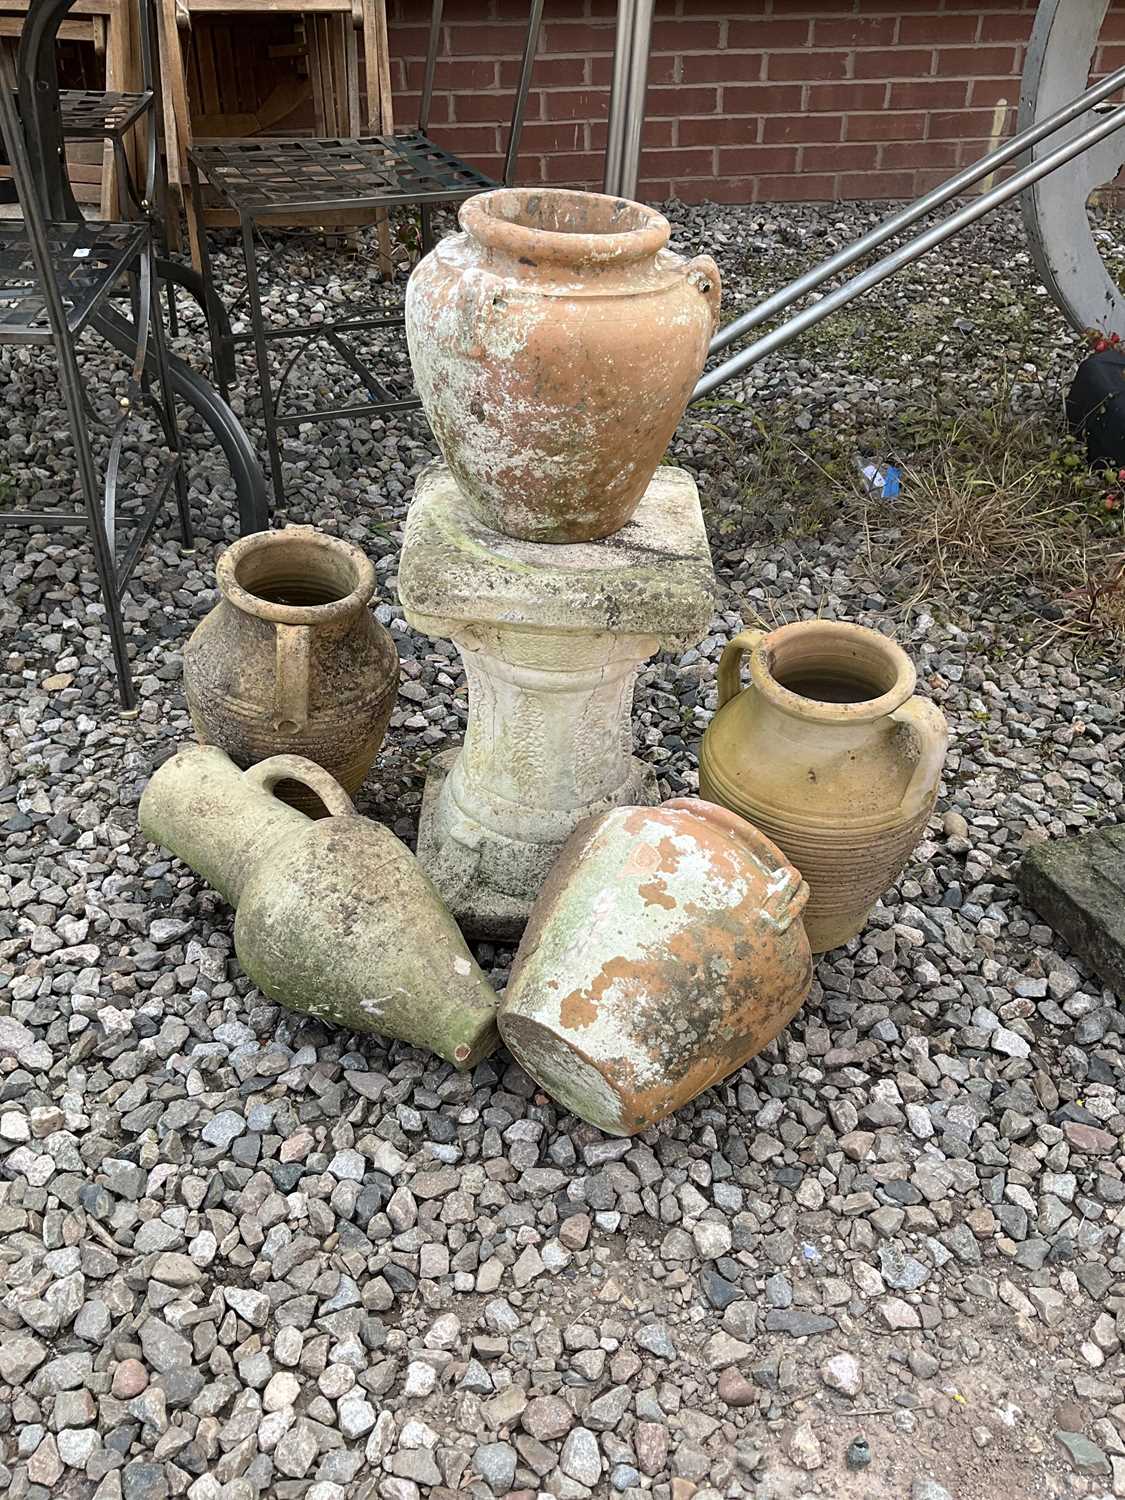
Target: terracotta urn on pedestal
291	660
555	343
829	754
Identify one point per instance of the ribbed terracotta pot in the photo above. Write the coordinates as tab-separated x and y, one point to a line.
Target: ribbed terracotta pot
291	660
335	918
665	950
829	754
555	344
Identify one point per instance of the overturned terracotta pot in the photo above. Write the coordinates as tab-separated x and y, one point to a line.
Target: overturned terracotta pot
826	751
665	950
555	344
335	918
291	660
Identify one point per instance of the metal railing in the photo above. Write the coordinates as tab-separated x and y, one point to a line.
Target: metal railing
914	249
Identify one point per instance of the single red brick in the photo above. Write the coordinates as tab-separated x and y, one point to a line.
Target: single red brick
830	158
720	130
721	67
805	66
575	104
895	62
962	125
855	31
760	98
901	125
742	161
684	101
842	98
467	73
686	36
794	128
1005	27
570	135
986	93
679	163
483	107
898	155
768	35
573	167
915	31
581	37
929	93
489	41
975	62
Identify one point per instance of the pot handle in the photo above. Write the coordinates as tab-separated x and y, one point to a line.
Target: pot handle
703	274
478	293
926	725
267	773
730	663
291	677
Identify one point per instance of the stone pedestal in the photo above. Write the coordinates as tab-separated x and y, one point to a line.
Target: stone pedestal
551	638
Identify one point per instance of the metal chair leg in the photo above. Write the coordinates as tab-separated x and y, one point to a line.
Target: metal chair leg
219	362
261	352
168	405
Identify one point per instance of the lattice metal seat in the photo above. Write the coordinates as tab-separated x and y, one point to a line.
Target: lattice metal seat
92	115
87	260
300	175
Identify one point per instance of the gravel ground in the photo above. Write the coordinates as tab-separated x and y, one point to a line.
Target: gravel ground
247	1256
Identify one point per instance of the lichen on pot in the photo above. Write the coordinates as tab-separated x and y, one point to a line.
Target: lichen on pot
555	343
664	951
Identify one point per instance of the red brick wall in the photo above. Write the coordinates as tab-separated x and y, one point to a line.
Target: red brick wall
747	101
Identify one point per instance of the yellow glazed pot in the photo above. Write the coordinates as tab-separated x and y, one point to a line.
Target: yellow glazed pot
830	755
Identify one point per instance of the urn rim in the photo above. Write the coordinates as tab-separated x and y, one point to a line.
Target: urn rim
517	222
324	564
858	657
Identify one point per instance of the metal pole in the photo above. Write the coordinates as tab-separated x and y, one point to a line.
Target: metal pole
611	182
638	87
889	227
907	254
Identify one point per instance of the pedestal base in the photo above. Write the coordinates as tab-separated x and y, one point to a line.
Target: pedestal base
490	882
551	638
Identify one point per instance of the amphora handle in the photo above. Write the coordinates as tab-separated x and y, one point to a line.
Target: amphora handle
477	295
927	727
730	663
267	773
703	274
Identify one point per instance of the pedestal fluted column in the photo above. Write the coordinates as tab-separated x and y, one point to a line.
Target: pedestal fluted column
552	638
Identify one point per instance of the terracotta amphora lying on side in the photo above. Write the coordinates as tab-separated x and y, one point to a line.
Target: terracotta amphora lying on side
664	951
555	343
291	660
826	751
335	918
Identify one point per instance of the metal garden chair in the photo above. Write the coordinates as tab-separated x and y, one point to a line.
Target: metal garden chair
57	274
296	179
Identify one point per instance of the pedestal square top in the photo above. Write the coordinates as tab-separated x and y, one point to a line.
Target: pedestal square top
653	577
